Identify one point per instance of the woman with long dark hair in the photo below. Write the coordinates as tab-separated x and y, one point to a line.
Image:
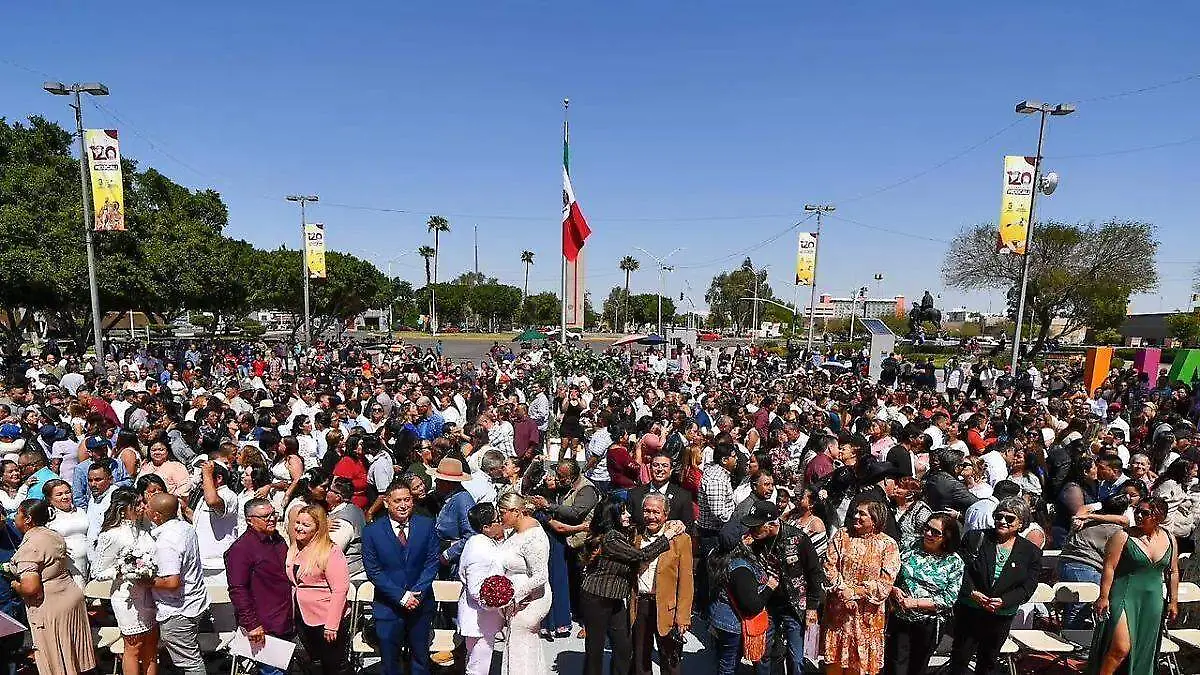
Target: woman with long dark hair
132	605
1172	487
612	562
810	515
1130	609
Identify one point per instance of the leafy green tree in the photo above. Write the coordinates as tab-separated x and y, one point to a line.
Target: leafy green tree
405	308
352	286
541	309
643	309
725	293
451	302
1185	327
1083	273
612	305
1108	336
495	302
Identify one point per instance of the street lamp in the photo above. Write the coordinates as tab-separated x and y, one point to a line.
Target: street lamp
303	199
95	89
1029	108
820	210
663	268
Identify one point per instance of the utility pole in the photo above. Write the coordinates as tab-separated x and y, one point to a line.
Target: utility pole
476	252
95	89
820	210
663	268
302	199
1027	108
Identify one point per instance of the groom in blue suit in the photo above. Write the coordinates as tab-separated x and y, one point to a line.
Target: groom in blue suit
400	554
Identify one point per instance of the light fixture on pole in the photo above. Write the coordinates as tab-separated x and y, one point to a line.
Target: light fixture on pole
663	268
1044	184
303	199
819	209
95	89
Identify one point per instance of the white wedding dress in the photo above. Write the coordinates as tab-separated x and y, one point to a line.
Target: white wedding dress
526	559
132	605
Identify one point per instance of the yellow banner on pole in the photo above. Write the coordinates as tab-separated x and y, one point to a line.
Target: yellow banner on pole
1018	199
104	166
314	249
806	258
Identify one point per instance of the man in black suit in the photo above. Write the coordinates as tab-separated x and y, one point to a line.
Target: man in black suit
679	501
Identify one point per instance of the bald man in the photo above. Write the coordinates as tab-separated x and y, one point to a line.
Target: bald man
178	590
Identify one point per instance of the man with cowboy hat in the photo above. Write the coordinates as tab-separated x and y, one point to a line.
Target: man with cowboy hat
452	525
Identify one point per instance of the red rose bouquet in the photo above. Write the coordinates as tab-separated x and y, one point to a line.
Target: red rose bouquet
497	591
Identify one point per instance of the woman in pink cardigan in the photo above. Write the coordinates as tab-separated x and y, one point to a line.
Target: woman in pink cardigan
321	579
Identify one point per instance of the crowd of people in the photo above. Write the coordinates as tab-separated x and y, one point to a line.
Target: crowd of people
786	513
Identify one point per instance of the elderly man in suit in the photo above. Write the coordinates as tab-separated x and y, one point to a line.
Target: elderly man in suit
661	606
400	554
680	502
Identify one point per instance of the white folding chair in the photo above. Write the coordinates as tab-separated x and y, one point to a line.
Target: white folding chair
359	648
1189	593
447	591
1067	592
1040	641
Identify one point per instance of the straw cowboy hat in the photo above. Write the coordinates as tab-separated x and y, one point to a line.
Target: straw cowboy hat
451	469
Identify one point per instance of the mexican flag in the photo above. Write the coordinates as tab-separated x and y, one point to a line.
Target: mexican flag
575	227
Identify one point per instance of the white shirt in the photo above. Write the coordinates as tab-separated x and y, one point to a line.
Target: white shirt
980	515
646	578
997	468
178	552
96	509
216	532
939	438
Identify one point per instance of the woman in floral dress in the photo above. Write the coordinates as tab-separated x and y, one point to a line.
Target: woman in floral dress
861	566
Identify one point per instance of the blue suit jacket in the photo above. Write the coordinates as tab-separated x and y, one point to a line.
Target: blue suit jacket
395	569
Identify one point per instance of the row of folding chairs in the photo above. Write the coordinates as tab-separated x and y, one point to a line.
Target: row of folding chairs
361	595
1067	642
445	640
99	593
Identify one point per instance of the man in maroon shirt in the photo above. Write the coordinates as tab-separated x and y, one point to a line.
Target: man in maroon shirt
259	588
527	439
821	465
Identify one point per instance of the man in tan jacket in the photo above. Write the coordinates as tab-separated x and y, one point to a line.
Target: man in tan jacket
661	606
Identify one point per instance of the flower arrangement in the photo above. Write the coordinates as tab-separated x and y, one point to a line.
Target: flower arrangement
9	571
137	562
497	591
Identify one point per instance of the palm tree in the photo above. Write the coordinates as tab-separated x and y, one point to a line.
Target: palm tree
628	264
437	225
427	252
527	258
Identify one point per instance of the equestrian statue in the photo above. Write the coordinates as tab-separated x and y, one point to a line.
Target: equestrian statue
925	311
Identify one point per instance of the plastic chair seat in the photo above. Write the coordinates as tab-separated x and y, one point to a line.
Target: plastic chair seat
1009	647
1168	647
1041	641
360	646
1188	636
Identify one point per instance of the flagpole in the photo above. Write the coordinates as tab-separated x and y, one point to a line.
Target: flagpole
567	168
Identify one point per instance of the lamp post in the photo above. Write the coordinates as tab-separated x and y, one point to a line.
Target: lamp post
1029	108
95	89
820	210
663	268
303	199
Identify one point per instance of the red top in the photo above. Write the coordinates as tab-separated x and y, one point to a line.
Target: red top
623	471
352	468
978	443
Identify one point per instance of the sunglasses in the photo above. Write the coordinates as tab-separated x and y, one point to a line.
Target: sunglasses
931	530
1143	513
1006	518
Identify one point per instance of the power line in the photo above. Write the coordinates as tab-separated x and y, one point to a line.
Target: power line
879	228
748	249
1128	151
935	167
1141	90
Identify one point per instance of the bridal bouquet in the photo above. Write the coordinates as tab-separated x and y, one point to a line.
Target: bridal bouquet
137	562
497	591
8	570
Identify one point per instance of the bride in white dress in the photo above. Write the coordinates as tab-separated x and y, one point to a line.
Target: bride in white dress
132	604
525	555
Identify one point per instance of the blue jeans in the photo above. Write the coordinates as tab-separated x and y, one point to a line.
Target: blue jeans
729	653
791	630
264	669
1075	614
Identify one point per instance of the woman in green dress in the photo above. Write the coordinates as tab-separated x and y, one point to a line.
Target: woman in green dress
1129	611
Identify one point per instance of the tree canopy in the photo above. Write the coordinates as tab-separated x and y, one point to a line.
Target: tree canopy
725	293
175	255
1082	273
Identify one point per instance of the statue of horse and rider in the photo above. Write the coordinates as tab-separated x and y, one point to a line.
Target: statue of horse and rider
923	312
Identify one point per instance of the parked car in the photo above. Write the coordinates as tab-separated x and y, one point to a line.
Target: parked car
709	337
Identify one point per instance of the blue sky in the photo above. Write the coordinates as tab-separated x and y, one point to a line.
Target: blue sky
705	125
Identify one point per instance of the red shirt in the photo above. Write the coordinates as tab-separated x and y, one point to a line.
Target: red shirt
352	468
977	442
623	471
